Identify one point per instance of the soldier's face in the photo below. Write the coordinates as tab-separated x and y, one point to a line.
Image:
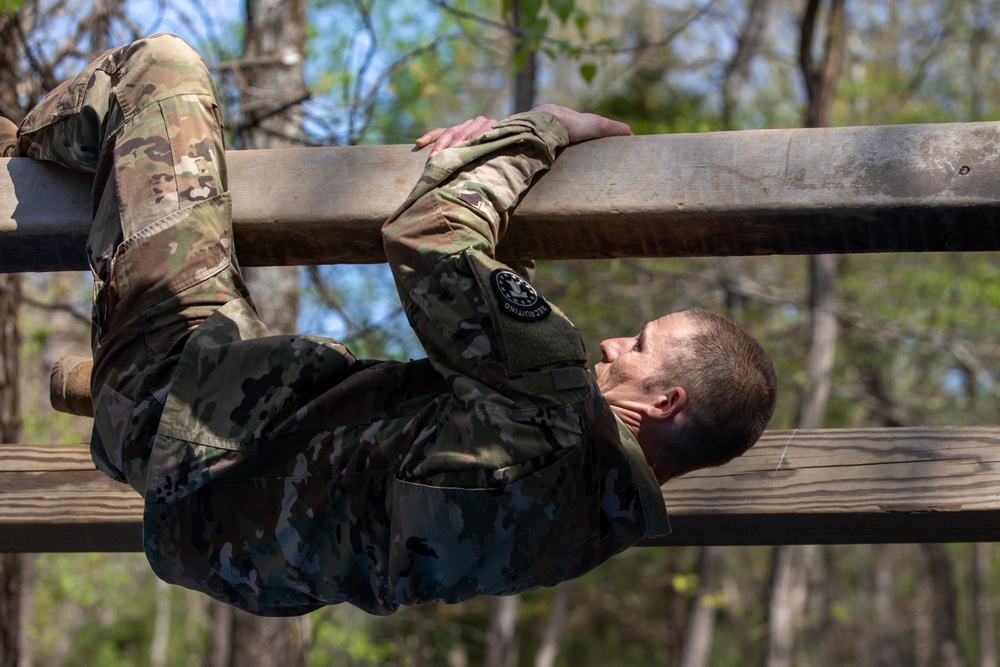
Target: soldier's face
628	363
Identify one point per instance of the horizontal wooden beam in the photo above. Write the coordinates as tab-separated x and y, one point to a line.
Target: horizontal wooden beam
52	499
841	190
846	486
804	487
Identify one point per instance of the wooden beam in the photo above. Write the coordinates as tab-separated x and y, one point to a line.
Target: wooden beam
846	486
857	189
824	486
53	499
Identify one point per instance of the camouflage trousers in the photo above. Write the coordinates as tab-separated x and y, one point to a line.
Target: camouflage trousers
144	119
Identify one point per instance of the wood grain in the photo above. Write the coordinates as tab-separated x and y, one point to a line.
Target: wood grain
53	499
841	486
799	191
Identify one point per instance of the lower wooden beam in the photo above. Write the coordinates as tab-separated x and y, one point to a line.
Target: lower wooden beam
52	499
798	191
845	486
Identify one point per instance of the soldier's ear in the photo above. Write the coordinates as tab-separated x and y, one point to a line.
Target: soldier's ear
667	404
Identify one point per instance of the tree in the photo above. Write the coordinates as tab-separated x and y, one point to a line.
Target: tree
272	89
793	563
697	644
737	69
11	565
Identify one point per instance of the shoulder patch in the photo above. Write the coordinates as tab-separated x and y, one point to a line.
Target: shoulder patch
518	298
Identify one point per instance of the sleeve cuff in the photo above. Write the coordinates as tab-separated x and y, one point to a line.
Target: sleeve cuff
546	126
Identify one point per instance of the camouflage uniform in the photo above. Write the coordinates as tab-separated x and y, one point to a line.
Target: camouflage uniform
280	473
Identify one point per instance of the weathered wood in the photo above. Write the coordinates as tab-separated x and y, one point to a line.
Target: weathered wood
843	486
825	486
858	189
52	499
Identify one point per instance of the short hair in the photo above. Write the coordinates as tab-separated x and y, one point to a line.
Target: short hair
731	391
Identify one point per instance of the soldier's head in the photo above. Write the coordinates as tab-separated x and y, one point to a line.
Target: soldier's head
694	386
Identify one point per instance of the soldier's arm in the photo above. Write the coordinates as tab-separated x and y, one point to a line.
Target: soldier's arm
473	316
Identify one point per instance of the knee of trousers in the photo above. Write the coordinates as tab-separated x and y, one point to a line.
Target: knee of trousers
158	67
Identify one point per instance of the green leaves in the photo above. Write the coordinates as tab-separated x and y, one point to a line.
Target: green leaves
533	30
563	9
530	8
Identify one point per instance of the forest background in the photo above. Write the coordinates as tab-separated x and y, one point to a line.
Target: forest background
875	340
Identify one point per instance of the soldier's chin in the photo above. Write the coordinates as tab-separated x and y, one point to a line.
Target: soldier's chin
600	370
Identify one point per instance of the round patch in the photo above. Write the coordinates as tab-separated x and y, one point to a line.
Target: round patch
517	297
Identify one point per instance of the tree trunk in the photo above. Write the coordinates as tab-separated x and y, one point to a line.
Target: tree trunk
551	637
789	591
821	79
945	601
696	647
10	610
161	625
884	640
924	625
220	647
525	60
272	86
501	637
985	616
822	342
268	642
738	68
11	565
789	594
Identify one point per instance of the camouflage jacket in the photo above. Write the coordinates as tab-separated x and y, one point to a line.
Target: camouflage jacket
287	474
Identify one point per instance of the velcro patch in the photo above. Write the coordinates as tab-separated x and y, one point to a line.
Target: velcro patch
517	296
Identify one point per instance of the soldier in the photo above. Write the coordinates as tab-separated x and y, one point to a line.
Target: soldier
282	473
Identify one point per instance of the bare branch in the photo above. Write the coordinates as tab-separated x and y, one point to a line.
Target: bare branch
41	305
329	299
256	114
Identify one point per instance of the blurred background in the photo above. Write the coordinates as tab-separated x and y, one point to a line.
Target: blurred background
873	340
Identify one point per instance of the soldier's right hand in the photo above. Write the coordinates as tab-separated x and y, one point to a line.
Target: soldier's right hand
586	126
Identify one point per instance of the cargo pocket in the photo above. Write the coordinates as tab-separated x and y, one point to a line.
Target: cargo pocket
112	418
450	544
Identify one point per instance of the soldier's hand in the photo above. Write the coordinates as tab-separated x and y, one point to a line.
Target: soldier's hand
581	127
445	137
586	126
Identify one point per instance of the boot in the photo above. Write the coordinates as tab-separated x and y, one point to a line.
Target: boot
8	137
69	386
